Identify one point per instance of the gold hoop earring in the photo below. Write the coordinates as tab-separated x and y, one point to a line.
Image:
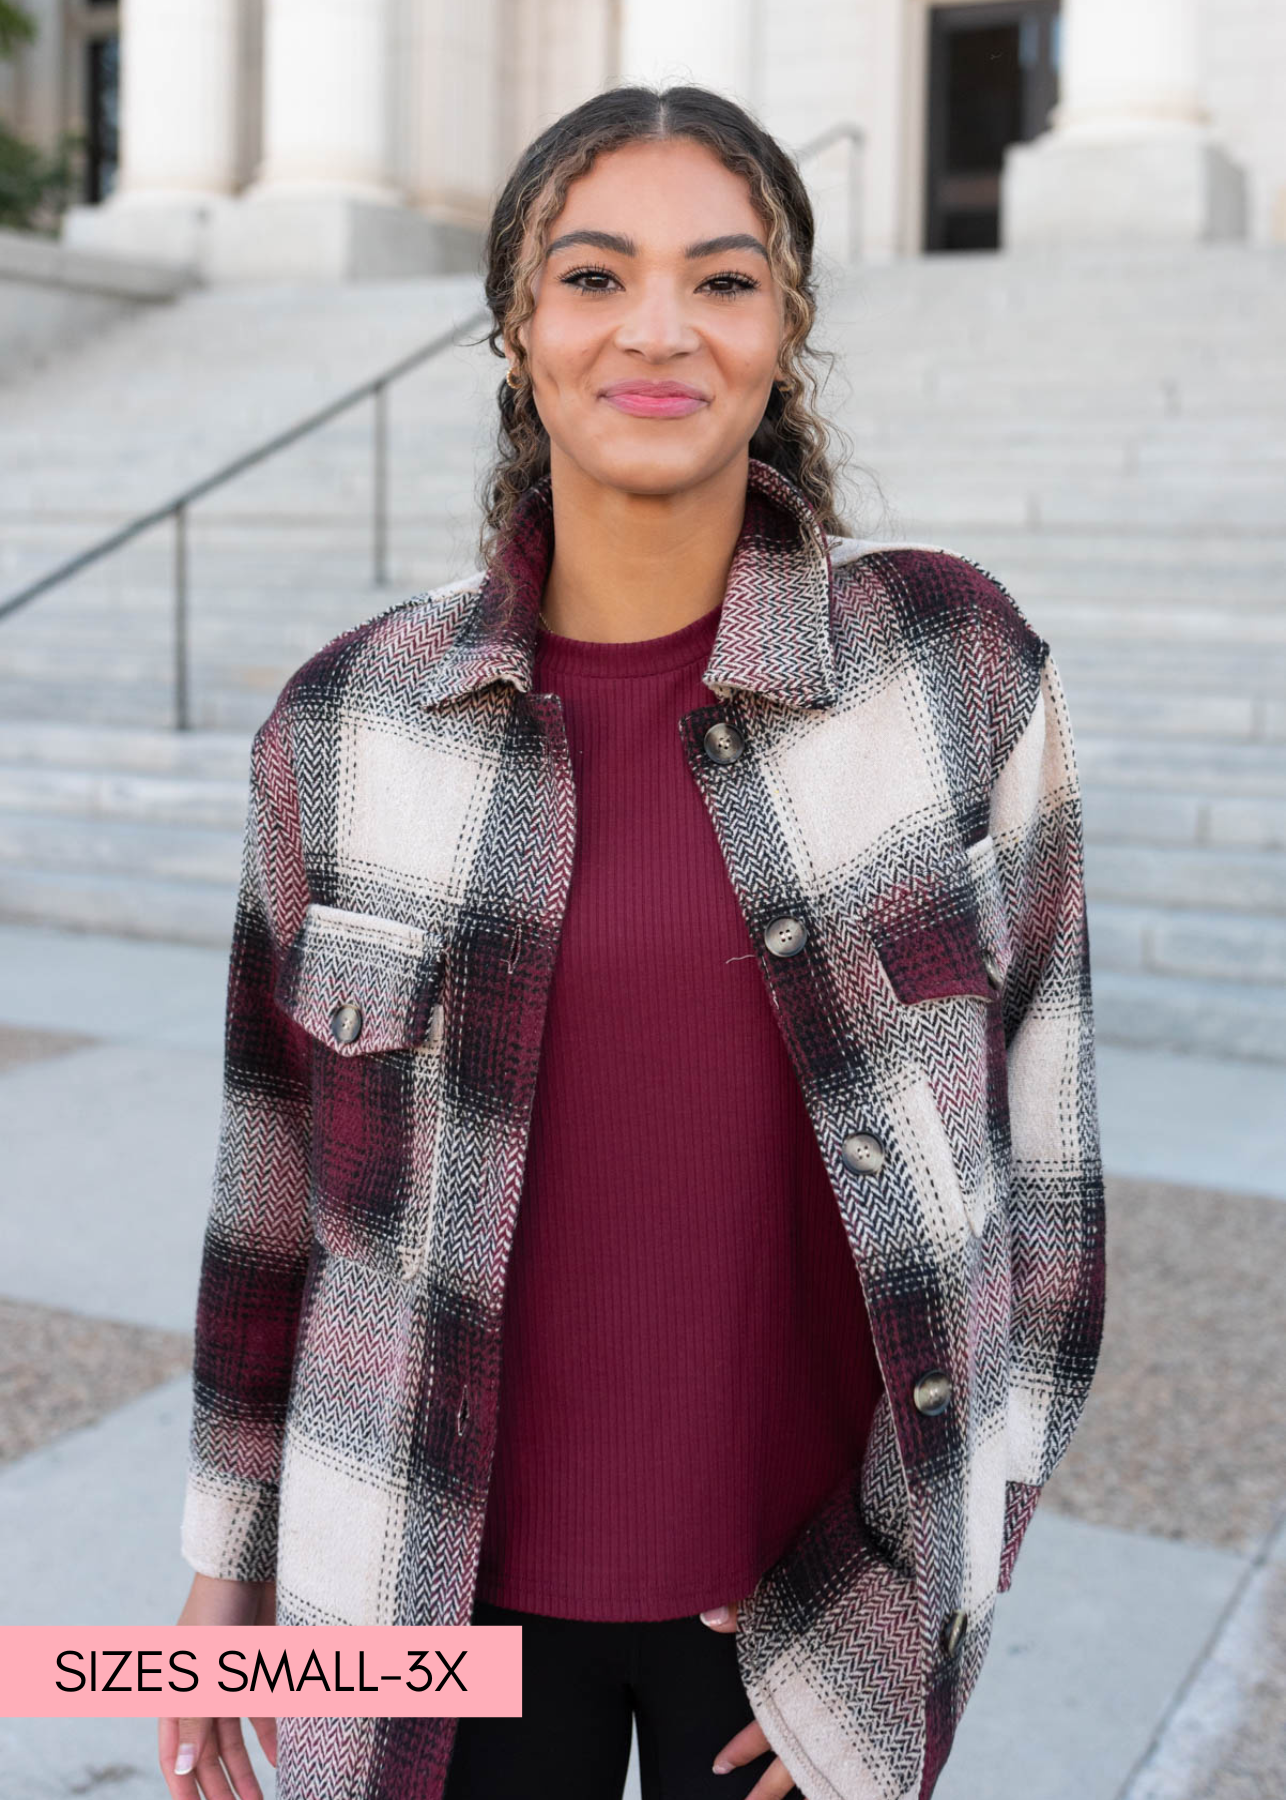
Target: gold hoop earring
509	377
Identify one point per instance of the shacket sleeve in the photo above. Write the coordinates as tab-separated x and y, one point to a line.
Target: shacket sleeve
257	1238
1055	1204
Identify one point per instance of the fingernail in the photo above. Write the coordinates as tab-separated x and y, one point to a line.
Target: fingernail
723	1768
184	1760
717	1615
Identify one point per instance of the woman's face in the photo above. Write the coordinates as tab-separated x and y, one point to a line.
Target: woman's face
658	323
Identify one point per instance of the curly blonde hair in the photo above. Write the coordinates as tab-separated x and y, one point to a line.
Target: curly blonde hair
792	436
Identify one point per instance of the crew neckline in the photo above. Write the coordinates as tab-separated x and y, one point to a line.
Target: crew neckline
693	642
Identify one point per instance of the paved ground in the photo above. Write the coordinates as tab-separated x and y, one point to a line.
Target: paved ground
1141	1653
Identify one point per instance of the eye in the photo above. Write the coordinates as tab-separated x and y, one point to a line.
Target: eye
744	284
573	278
588	277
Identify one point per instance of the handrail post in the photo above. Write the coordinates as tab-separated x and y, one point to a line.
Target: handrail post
856	224
855	175
176	508
182	717
380	521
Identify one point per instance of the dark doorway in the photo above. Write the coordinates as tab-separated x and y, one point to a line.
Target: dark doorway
100	26
993	78
102	110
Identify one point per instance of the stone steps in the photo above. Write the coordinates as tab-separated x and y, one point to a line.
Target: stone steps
237	695
158	818
1102	433
1142	816
1220	772
1182	796
110	796
1238	1020
163	850
53	744
1206	648
1187	889
128	905
155	855
1178	876
128	704
1219	946
1236	717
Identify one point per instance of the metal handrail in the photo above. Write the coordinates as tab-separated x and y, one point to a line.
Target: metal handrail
375	389
844	130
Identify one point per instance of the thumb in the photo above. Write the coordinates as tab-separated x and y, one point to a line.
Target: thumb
720	1618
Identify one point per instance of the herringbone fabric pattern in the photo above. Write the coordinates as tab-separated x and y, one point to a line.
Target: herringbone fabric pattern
906	794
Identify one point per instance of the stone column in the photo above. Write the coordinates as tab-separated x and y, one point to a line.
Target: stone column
1131	156
325	100
324	204
447	59
178	131
675	42
1129	62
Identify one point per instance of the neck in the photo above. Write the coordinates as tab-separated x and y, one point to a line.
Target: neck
628	566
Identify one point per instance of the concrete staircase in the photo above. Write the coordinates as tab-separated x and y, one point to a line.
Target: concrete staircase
1105	434
109	828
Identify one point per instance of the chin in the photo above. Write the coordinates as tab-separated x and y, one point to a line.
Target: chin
656	469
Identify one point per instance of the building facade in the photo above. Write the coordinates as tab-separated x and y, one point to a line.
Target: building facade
342	138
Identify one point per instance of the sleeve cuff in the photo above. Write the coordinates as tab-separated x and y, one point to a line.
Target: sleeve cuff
229	1528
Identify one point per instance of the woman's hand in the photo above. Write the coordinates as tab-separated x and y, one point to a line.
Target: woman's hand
207	1759
750	1742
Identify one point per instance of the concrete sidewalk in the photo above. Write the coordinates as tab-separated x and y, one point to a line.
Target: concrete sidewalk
1140	1654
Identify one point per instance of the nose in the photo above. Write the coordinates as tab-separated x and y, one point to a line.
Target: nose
656	325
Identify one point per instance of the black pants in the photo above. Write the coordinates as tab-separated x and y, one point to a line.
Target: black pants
583	1682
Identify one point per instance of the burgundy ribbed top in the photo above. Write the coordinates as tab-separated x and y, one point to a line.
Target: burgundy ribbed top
687	1367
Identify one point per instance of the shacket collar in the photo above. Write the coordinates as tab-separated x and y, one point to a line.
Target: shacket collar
774	634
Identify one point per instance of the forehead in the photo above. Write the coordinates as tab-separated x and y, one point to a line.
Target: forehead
662	194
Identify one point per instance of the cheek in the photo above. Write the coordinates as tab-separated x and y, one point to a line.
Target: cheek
748	351
563	343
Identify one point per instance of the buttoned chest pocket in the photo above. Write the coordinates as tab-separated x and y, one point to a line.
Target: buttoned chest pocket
960	947
947	967
367	990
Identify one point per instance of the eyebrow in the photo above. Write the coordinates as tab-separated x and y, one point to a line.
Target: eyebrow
626	246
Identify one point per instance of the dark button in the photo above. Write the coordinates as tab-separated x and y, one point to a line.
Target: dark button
862	1153
723	743
994	975
953	1629
932	1392
346	1023
462	1413
786	937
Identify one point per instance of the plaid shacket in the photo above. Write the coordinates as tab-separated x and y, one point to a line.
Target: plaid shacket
887	764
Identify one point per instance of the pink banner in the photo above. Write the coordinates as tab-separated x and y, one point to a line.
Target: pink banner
258	1671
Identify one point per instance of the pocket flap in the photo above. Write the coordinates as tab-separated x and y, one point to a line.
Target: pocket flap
936	960
951	940
360	982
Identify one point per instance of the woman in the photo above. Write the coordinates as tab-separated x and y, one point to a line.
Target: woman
711	879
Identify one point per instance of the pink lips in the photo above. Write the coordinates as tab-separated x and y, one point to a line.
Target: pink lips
654	399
